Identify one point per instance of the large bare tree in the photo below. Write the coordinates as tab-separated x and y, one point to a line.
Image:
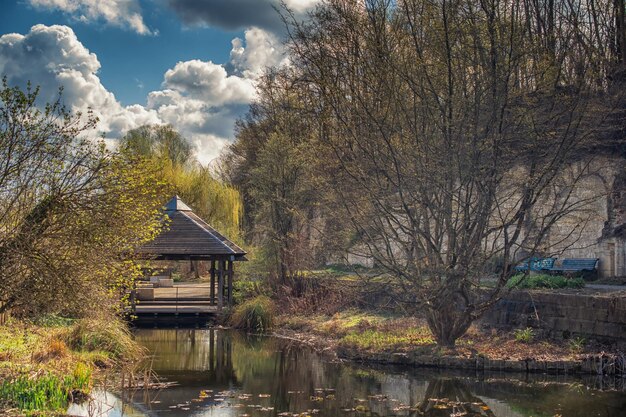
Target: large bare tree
451	125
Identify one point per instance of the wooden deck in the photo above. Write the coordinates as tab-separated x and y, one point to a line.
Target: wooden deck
182	304
189	308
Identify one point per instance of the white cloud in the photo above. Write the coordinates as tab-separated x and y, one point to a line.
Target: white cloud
301	6
201	99
52	56
123	13
262	49
209	82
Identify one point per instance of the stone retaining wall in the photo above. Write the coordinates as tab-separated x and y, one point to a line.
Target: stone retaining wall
598	316
592	364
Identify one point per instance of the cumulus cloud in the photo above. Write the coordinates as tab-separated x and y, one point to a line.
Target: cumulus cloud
238	14
203	99
260	50
123	13
52	56
200	99
209	82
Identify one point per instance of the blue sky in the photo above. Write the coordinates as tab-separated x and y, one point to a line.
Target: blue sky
190	63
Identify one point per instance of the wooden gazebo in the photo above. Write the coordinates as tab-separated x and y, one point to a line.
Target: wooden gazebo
188	237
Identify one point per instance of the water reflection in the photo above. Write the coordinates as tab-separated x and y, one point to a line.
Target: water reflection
226	373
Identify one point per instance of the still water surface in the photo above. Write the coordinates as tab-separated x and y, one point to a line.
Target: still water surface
227	373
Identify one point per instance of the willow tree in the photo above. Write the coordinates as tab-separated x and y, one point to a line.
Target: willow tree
173	156
71	212
450	124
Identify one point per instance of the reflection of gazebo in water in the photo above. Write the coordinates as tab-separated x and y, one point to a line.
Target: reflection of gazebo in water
189	238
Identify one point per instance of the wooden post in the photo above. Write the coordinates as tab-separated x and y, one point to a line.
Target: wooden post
212	290
220	285
211	349
230	283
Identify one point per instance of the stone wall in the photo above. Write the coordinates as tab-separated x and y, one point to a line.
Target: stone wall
595	226
597	230
597	316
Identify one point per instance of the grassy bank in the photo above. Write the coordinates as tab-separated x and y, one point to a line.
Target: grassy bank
370	333
46	365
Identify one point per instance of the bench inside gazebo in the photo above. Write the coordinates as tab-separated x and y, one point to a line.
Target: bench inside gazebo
189	238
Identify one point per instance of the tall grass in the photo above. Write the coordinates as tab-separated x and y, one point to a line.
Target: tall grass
256	314
111	337
64	353
46	393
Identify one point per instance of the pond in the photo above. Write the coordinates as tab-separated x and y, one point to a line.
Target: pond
228	373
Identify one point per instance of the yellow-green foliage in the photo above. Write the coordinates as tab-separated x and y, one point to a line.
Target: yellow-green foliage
256	314
342	322
384	340
172	155
17	343
67	231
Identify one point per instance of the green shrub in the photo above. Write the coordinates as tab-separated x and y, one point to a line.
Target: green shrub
577	344
524	335
54	320
110	336
256	314
545	281
245	289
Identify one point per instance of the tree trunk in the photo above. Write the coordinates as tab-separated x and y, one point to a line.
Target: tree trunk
447	323
620	31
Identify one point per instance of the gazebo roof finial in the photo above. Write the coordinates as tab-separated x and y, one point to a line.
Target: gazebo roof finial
176	204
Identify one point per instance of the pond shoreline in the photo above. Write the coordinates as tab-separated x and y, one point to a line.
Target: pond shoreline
602	364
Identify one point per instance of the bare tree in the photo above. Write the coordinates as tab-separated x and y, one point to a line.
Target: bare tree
451	124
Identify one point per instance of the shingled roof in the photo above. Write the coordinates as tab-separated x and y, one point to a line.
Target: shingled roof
189	237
